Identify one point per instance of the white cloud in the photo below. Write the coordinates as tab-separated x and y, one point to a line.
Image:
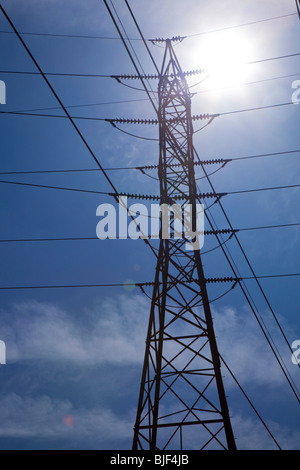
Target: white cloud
245	348
113	332
251	435
42	416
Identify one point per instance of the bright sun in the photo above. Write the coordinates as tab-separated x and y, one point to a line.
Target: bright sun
224	56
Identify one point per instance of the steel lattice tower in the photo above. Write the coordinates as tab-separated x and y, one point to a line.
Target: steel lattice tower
182	403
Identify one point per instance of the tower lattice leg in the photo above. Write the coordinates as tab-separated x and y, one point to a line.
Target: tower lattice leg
182	403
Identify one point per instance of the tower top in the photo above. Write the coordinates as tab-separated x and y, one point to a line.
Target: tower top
174	39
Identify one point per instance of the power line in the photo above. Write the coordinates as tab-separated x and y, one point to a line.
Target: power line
60	188
270	344
263	155
138	72
253	308
271	276
106	103
241	25
56	116
249	401
107	285
258	108
229	160
57	74
125	284
97	75
130	55
255	82
110	120
72	286
146	167
88	147
112	38
288	56
70	36
200	92
264	189
85	75
147	197
103	103
65	171
271	188
266	227
226	113
142	78
58	99
280	362
142	36
58	239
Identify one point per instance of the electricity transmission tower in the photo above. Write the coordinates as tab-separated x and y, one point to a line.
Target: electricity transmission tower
182	403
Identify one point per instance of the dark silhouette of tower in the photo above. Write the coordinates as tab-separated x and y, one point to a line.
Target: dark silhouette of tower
182	403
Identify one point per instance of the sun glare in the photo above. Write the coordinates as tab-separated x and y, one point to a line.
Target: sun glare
224	57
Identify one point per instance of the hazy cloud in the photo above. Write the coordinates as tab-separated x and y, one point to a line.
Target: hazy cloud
245	348
114	331
43	416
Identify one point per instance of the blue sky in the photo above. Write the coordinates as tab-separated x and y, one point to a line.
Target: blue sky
74	356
